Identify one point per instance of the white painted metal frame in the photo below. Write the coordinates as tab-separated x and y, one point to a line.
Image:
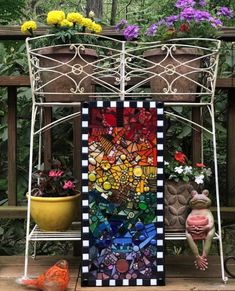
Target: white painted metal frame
117	65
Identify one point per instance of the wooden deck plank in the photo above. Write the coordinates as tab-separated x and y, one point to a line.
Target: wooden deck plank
180	274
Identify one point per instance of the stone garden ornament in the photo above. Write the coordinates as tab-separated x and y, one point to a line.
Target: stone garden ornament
200	227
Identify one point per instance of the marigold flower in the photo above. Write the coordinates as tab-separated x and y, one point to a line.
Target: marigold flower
180	157
28	27
96	27
55	17
66	23
75	17
87	22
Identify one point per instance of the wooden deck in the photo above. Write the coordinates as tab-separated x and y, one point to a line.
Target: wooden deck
180	275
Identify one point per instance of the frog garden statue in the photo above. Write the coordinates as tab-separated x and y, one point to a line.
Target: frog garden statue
200	226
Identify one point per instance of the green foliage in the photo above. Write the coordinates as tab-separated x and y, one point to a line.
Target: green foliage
54	248
12	236
12	241
13	58
14	62
11	10
63	35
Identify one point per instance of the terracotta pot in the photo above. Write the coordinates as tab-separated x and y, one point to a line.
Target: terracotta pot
168	68
70	71
177	196
54	213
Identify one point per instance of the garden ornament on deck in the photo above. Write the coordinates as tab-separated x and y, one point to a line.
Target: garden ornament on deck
55	278
200	227
181	178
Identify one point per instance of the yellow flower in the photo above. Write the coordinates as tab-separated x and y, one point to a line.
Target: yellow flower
28	27
55	17
75	17
66	23
97	28
87	22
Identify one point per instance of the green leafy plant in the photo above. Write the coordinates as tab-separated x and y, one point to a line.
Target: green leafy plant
12	237
64	27
181	19
181	169
55	182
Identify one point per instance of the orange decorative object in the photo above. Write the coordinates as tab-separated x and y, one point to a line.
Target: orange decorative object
54	279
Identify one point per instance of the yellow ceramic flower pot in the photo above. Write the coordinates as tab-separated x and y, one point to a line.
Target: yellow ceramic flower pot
54	213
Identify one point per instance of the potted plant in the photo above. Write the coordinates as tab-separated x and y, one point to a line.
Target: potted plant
54	198
181	178
185	30
65	64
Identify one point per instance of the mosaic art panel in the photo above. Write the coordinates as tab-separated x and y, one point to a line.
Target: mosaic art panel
122	193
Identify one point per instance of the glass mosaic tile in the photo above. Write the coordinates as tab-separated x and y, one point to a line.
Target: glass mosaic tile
122	197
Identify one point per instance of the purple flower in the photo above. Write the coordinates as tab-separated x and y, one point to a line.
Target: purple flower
202	3
187	14
170	20
184	4
225	11
151	31
215	22
201	15
121	24
161	22
131	32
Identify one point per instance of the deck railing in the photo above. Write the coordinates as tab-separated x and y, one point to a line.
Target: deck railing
12	83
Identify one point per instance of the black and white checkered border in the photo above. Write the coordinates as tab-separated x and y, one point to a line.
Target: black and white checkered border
160	280
160	192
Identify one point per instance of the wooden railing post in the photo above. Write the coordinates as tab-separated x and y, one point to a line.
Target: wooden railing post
47	145
196	136
12	184
231	148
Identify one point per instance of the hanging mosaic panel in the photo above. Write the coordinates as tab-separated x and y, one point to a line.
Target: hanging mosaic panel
122	193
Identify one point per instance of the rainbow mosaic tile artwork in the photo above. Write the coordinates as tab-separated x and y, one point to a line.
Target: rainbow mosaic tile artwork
122	193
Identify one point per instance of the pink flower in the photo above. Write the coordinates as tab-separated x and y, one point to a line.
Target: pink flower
55	173
68	185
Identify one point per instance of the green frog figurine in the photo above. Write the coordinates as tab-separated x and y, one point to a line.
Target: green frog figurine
200	226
